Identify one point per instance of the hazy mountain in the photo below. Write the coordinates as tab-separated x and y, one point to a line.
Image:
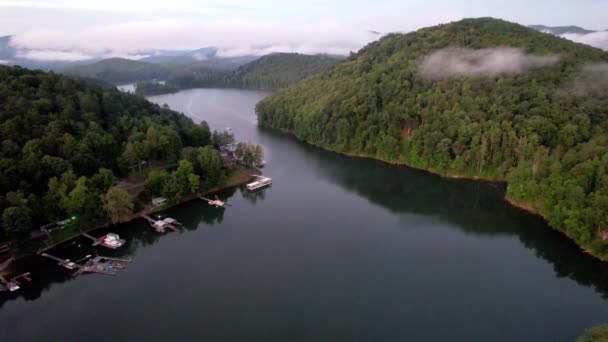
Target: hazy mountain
119	70
598	39
7	52
272	71
560	30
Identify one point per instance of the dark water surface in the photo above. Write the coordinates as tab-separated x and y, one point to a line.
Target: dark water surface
337	249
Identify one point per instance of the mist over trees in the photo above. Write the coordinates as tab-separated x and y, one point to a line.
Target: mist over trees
535	128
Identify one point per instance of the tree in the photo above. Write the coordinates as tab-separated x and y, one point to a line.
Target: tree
16	220
222	139
118	204
595	334
103	180
155	182
74	202
249	154
194	183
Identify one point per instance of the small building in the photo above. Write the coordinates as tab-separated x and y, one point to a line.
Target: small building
228	159
48	228
158	201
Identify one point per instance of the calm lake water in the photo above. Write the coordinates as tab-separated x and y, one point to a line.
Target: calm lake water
337	249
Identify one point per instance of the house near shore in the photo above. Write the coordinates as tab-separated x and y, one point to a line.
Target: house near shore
158	201
228	160
48	228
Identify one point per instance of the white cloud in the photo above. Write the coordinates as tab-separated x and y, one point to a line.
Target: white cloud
5	62
233	38
52	55
591	81
460	62
597	39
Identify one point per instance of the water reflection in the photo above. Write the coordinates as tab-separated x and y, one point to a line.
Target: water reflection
254	197
474	207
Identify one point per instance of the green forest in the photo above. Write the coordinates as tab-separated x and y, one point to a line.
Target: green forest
541	127
148	88
66	143
273	71
119	71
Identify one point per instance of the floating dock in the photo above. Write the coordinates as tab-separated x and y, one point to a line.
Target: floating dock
110	240
104	265
65	263
216	202
14	284
259	183
162	225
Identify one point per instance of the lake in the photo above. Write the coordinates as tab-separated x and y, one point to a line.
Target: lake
337	249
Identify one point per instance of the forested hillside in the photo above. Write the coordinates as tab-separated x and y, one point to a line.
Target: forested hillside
119	71
273	71
65	143
479	98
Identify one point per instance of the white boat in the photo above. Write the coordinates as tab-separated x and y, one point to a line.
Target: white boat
70	265
112	241
259	183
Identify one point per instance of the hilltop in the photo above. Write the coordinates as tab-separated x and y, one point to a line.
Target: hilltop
118	70
481	98
280	70
273	71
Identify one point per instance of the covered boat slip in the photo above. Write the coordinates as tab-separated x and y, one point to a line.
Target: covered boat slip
259	183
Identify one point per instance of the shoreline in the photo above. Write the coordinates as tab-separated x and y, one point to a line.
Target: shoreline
241	177
521	206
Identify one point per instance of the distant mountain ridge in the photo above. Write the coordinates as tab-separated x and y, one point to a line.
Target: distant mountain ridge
560	30
272	71
206	56
118	71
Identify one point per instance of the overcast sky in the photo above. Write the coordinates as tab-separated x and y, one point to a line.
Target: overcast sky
80	28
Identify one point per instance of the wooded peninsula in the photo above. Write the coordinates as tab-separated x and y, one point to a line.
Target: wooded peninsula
66	143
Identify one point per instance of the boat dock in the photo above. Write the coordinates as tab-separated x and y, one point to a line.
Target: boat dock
65	263
259	183
103	265
216	202
161	225
110	240
13	284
